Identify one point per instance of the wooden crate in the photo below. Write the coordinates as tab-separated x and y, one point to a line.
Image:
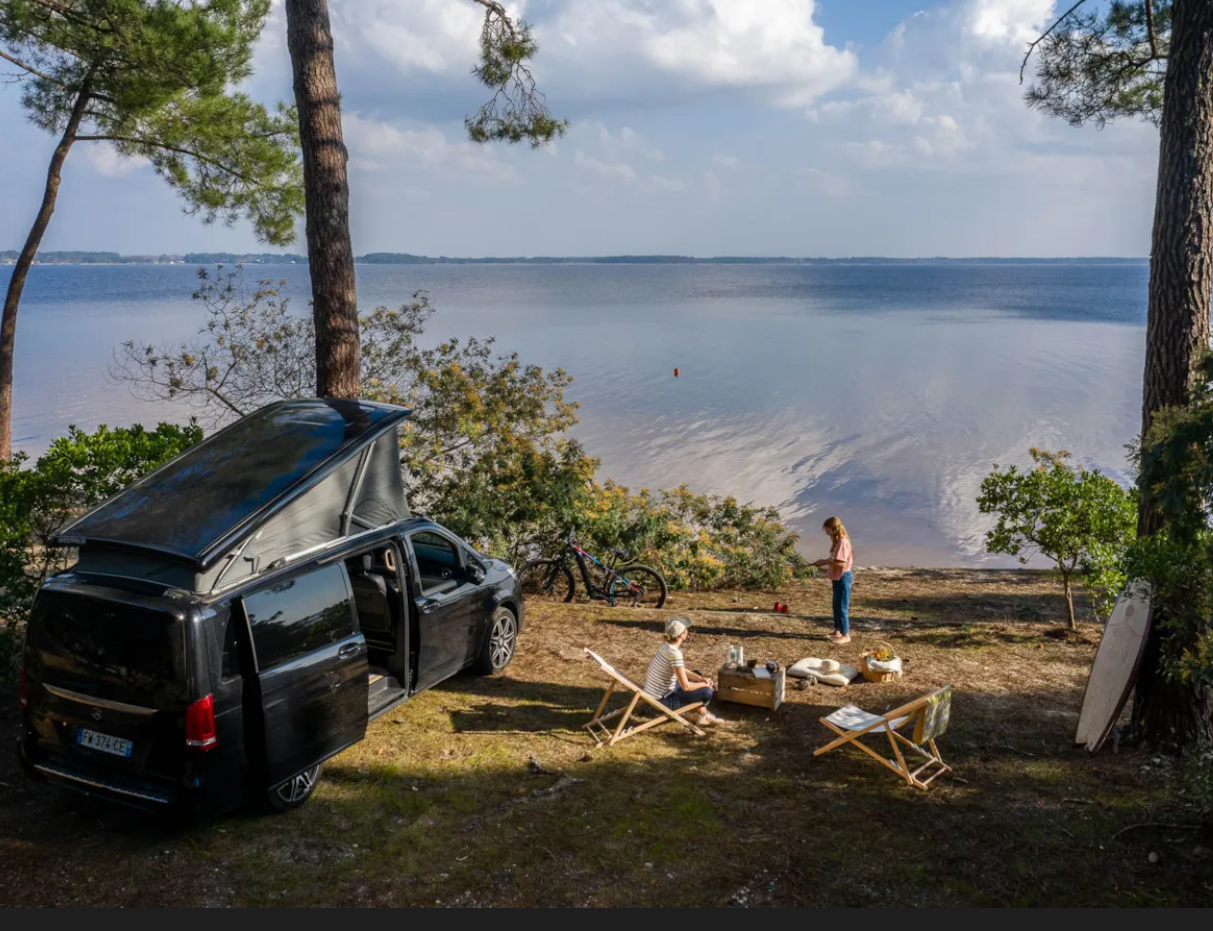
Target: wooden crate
742	687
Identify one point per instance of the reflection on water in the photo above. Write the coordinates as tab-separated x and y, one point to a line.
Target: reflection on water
881	394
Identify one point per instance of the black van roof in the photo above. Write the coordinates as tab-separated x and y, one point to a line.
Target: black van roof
223	491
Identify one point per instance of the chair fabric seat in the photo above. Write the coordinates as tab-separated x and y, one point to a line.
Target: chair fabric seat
850	718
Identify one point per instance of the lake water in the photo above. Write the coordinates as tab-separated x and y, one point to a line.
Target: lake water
882	394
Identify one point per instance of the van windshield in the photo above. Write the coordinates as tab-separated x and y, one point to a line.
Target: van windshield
107	649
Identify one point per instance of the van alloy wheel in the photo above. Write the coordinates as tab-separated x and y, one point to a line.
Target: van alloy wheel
503	640
295	791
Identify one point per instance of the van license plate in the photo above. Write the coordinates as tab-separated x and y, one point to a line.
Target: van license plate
104	742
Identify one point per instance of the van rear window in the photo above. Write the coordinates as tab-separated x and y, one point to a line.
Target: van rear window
137	648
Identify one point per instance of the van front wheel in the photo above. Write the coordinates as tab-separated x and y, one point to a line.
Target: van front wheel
500	644
294	792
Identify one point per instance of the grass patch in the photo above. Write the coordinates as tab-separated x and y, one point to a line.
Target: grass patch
441	803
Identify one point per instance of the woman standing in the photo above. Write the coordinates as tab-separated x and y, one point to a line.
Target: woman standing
838	568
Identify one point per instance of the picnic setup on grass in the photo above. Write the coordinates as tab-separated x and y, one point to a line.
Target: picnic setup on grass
912	727
902	739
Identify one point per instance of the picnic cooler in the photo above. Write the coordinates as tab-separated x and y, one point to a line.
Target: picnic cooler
740	686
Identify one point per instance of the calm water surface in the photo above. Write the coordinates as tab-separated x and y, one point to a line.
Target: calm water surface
880	393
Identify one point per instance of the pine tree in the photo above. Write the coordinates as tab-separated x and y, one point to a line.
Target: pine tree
516	113
1152	59
153	78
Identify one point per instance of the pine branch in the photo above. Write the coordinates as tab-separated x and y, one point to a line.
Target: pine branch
1048	32
34	71
496	9
1152	31
189	153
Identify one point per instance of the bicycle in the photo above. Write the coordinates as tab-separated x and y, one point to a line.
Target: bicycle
636	586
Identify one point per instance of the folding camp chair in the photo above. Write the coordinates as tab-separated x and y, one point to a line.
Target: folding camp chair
928	714
598	725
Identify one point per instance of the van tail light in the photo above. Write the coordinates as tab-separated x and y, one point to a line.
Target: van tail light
200	724
23	688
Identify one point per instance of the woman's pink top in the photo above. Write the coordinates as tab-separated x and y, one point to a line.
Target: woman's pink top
842	553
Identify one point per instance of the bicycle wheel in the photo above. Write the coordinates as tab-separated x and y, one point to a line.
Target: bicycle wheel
547	578
638	587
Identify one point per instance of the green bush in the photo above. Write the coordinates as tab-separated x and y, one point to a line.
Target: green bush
1077	518
699	542
77	472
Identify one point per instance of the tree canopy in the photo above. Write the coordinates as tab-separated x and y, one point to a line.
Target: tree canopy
1096	66
154	78
1078	519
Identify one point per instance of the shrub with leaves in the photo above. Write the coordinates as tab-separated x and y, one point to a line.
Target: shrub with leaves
1079	519
1176	481
700	542
77	472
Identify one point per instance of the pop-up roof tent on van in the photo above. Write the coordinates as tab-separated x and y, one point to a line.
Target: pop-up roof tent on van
289	479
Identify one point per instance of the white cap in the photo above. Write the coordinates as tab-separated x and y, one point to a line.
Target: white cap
676	627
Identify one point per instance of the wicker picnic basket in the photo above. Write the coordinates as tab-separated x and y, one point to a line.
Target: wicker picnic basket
877	673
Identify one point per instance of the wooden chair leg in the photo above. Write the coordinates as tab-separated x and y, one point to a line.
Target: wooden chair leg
901	760
851	739
602	705
624	723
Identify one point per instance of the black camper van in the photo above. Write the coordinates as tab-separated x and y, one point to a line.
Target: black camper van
237	617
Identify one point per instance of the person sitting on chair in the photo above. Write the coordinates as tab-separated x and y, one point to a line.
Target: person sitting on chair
671	683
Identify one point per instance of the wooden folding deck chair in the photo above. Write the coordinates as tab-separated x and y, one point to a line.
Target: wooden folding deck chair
598	725
929	716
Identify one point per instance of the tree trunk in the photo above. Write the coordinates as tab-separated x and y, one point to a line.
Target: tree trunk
1181	255
16	284
326	185
1069	590
1177	334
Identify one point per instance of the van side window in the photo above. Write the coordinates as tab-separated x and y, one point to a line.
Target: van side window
437	562
299	615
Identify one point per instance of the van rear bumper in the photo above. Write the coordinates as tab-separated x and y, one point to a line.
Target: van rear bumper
139	794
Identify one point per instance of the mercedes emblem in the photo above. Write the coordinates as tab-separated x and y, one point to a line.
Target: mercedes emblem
96	714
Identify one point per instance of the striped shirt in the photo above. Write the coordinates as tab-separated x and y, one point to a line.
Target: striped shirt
662	680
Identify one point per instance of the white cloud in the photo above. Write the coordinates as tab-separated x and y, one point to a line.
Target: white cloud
434	36
818	181
379	146
618	170
727	162
669	185
618	49
105	160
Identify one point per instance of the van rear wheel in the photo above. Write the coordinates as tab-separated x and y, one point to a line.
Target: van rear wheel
294	792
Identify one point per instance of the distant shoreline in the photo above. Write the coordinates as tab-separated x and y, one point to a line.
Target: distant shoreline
400	258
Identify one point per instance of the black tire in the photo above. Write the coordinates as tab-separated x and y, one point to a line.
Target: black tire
639	587
293	793
547	578
500	644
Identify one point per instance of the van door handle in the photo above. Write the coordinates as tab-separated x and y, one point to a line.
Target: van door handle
349	650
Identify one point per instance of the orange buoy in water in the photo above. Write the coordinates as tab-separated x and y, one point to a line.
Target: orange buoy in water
676	373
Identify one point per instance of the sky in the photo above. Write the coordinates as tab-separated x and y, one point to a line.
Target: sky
698	127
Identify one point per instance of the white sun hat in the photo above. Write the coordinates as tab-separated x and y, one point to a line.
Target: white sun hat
827	671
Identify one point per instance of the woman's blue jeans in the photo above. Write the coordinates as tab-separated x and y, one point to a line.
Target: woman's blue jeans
842	603
680	698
